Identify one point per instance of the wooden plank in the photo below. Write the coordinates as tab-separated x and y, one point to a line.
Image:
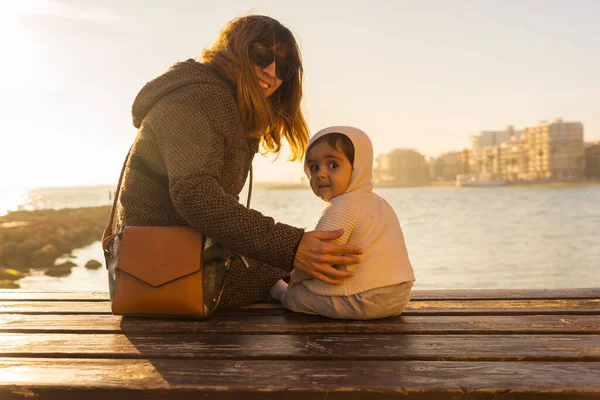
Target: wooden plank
298	347
504	307
507	294
134	379
303	324
417	295
433	307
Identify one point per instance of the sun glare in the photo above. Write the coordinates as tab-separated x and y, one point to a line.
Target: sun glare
27	7
15	39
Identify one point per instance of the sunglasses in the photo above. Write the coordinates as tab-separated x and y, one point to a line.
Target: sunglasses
263	56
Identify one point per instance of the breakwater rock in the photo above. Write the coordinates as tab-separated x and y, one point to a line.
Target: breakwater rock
36	239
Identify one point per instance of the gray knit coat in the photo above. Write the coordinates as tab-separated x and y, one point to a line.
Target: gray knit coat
188	164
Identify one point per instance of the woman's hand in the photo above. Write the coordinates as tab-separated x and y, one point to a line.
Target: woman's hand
316	257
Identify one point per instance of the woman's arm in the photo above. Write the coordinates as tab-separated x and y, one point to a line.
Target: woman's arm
316	257
193	152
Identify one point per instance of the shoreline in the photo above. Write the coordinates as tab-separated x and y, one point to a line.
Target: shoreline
556	184
444	184
544	184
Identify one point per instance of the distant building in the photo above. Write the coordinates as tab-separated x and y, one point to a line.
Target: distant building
402	167
592	160
485	152
464	161
548	150
493	138
513	159
447	165
554	150
490	163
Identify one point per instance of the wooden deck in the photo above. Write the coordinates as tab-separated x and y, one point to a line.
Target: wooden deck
479	344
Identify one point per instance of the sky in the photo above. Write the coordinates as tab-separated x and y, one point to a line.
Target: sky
424	74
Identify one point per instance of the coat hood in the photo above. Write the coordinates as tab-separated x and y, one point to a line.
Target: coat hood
362	169
181	74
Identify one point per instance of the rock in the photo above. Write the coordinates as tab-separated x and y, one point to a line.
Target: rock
29	245
59	270
35	239
45	228
44	256
13	259
68	263
8	274
62	234
93	264
64	246
6	284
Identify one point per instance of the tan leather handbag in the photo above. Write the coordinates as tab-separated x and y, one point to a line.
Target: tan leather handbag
166	271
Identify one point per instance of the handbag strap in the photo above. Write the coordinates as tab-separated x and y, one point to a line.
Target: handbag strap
108	231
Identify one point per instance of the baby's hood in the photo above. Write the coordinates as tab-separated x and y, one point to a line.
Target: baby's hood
362	171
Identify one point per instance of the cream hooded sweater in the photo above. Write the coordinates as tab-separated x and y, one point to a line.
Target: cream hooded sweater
369	222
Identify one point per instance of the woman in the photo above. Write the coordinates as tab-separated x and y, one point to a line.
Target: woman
200	124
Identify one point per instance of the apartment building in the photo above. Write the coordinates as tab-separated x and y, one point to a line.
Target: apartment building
554	150
548	150
592	160
485	156
513	159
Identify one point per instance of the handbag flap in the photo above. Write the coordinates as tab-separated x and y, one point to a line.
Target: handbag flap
160	254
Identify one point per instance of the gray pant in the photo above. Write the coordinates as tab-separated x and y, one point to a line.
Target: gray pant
383	302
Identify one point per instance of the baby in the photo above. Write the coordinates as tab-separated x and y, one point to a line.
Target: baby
339	164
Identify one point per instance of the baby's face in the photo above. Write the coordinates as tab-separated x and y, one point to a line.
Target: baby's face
330	171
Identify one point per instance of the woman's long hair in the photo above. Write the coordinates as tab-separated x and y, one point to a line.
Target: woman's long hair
274	117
